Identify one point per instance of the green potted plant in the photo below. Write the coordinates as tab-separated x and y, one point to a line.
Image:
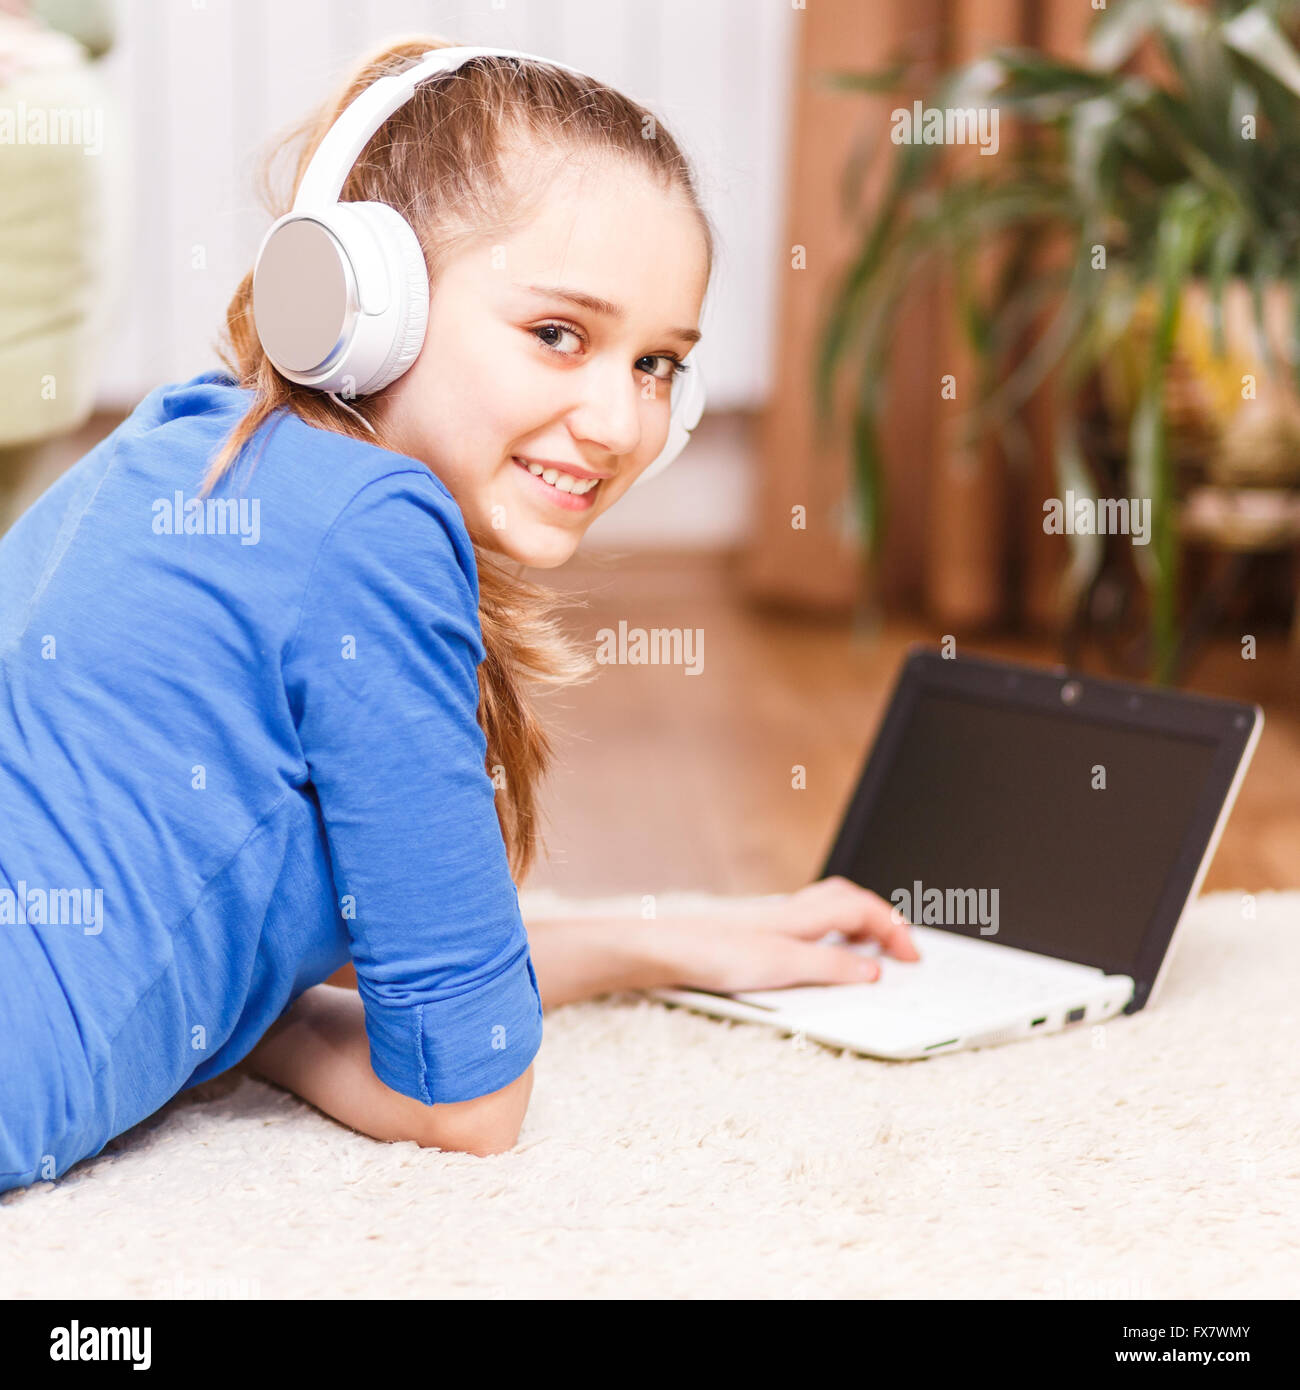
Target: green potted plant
1190	180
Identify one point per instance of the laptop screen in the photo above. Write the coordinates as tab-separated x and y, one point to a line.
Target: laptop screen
1066	827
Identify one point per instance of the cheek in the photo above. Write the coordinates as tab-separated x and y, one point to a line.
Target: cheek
474	409
512	395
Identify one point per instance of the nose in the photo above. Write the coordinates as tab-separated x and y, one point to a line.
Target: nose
609	413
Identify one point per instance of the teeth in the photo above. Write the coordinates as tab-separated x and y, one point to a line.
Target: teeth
564	482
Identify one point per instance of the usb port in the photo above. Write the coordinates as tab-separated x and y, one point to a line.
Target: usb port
1038	1022
1075	1015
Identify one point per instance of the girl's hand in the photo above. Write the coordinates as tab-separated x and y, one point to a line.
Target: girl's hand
777	942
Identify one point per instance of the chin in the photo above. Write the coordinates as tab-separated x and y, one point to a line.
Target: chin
543	552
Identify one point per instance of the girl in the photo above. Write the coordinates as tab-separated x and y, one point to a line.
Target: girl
262	646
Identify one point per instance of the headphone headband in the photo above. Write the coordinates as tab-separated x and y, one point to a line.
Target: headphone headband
351	133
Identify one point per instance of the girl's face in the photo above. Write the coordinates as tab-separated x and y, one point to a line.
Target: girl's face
555	345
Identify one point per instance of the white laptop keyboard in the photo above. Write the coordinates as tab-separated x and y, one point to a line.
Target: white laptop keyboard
954	972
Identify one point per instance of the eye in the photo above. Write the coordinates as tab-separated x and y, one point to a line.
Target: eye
675	368
556	328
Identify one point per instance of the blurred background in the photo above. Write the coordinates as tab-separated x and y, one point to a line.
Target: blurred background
974	255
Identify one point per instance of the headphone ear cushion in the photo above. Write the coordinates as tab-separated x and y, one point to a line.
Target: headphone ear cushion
409	279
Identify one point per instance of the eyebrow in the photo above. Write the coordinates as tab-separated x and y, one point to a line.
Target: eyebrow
596	305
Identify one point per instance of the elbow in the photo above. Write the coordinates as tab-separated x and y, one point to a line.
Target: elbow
488	1125
481	1146
456	1135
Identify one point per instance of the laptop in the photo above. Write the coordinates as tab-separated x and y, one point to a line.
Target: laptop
1043	831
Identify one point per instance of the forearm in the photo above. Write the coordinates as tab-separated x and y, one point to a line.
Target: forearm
583	957
319	1051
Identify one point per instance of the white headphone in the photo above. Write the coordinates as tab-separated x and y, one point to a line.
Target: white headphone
340	290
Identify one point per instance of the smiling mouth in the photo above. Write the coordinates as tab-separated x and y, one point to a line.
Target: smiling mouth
557	478
567	489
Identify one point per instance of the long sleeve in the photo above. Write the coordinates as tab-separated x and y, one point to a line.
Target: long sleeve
382	681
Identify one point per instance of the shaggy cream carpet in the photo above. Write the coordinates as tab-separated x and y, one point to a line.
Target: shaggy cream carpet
667	1154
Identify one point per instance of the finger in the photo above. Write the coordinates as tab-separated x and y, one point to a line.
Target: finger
862	915
811	964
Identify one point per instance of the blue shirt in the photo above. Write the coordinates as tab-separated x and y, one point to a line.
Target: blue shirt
239	744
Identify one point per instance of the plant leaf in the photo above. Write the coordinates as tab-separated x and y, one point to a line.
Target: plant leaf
1255	34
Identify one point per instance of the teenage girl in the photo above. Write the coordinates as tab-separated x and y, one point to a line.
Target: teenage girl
265	651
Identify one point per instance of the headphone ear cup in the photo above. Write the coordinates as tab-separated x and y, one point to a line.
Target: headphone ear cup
687	411
409	281
341	297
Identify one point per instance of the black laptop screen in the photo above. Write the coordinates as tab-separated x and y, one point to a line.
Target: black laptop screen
1075	823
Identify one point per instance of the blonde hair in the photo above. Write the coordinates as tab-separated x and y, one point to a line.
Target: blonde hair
441	160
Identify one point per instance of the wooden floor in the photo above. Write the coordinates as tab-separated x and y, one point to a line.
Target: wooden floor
670	781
